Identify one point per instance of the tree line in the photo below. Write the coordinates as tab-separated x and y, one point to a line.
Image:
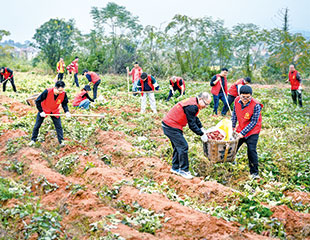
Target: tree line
194	48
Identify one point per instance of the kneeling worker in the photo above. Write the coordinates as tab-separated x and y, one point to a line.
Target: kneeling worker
48	103
183	112
82	99
247	111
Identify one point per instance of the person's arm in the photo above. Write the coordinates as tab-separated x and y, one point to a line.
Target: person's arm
298	77
254	120
155	84
214	81
88	77
234	118
64	104
182	87
40	99
88	97
199	124
139	87
190	112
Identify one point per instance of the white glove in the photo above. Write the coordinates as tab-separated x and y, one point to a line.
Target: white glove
42	114
172	92
204	138
203	130
68	114
299	89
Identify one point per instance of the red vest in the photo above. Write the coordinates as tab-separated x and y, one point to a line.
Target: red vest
149	82
233	90
78	98
244	116
294	82
176	117
50	105
178	82
6	74
133	71
217	87
94	77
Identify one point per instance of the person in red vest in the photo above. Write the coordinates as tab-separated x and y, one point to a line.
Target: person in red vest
82	99
247	112
295	80
233	92
183	113
74	67
176	83
148	84
218	83
94	79
6	75
135	72
48	103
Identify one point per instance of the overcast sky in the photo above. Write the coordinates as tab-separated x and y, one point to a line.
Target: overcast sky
22	17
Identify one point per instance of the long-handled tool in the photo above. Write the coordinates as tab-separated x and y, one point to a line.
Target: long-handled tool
141	92
76	115
5	80
128	81
225	97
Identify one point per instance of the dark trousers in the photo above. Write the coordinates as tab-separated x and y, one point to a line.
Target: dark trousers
216	99
95	89
76	80
57	124
180	148
60	76
230	99
174	89
251	143
296	95
12	83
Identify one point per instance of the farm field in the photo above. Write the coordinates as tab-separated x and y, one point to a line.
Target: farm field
112	180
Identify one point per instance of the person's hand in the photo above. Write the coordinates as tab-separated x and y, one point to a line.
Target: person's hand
172	92
68	115
127	68
204	138
42	114
287	81
240	135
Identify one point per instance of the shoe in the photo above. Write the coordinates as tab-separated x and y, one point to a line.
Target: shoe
31	143
255	176
62	144
175	171
186	175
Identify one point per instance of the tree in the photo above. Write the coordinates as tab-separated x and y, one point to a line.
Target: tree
55	39
249	42
123	27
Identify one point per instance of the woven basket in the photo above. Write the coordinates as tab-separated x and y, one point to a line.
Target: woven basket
220	151
31	100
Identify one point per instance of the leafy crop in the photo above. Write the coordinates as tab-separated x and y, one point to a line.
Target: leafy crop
66	164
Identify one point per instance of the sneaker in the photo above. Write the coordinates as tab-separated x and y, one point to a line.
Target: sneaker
62	144
186	175
175	171
31	143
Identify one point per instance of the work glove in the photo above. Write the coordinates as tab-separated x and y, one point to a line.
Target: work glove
203	130
299	89
204	138
68	115
172	92
157	88
42	114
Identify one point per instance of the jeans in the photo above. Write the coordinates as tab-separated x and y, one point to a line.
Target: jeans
170	93
76	80
296	95
60	76
57	124
251	143
230	99
95	89
180	148
216	99
84	104
12	83
152	102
